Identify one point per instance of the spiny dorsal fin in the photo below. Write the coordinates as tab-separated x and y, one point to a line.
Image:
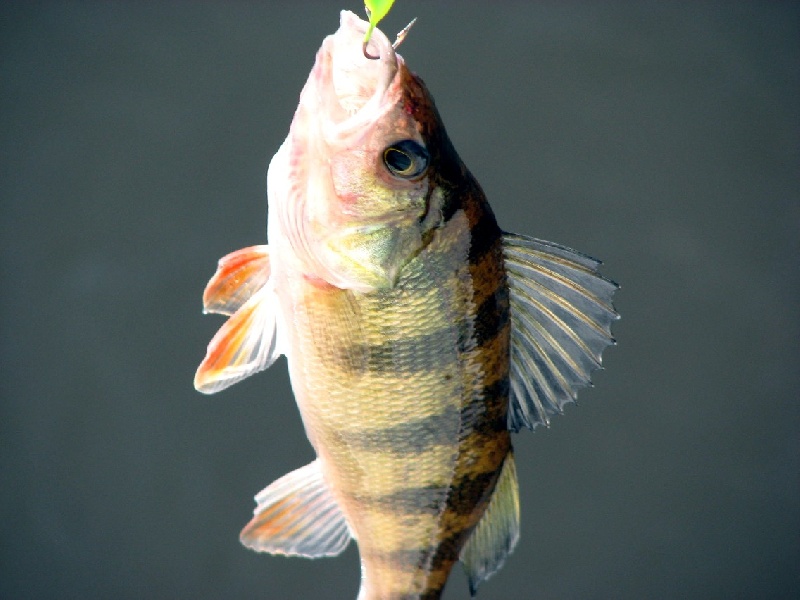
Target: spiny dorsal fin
496	534
248	341
561	315
297	516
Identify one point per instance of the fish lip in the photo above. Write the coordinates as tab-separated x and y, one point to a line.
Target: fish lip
342	55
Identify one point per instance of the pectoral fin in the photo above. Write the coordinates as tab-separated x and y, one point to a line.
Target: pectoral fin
248	341
496	534
561	315
239	275
297	516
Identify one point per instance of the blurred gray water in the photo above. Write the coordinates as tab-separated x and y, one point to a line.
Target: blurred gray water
661	137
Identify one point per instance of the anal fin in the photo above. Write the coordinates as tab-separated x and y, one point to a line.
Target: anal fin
497	533
297	516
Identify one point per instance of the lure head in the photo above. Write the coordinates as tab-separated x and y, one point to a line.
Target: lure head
352	188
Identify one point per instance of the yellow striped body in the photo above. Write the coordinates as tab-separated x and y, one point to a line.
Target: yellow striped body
404	397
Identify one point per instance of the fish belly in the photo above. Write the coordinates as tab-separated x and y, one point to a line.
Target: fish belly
403	393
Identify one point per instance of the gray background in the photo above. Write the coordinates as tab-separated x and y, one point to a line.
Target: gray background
661	137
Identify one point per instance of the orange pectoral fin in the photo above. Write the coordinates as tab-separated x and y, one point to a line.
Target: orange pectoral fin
245	344
239	275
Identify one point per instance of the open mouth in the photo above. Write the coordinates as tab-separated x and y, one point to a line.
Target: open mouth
353	87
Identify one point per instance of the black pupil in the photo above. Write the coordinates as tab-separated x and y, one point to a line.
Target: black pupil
406	159
397	160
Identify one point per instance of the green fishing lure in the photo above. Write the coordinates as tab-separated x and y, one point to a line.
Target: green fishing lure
376	10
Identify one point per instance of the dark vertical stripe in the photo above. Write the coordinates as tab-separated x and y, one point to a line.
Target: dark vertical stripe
492	316
405	437
383	357
485	235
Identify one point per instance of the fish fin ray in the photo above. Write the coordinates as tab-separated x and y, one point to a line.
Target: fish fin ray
297	516
497	533
246	344
239	275
561	316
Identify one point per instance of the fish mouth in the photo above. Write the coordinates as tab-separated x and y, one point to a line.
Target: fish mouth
354	91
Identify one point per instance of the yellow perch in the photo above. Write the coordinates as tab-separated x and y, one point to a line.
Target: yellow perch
418	334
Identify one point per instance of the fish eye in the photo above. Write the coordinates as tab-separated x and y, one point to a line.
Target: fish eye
406	159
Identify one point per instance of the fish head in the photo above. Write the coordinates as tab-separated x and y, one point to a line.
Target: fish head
354	186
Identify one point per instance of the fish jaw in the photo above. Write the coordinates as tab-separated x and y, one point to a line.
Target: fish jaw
347	220
353	92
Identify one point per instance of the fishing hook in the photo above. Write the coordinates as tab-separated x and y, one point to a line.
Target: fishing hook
367	54
401	36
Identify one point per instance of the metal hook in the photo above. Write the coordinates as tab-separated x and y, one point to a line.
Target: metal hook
403	33
401	36
367	54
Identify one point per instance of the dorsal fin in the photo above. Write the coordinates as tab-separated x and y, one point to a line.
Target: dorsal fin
561	315
247	342
496	534
297	516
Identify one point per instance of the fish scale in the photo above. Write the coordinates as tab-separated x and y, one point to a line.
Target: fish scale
354	385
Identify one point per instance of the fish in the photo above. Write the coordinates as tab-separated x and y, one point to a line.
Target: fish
418	334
